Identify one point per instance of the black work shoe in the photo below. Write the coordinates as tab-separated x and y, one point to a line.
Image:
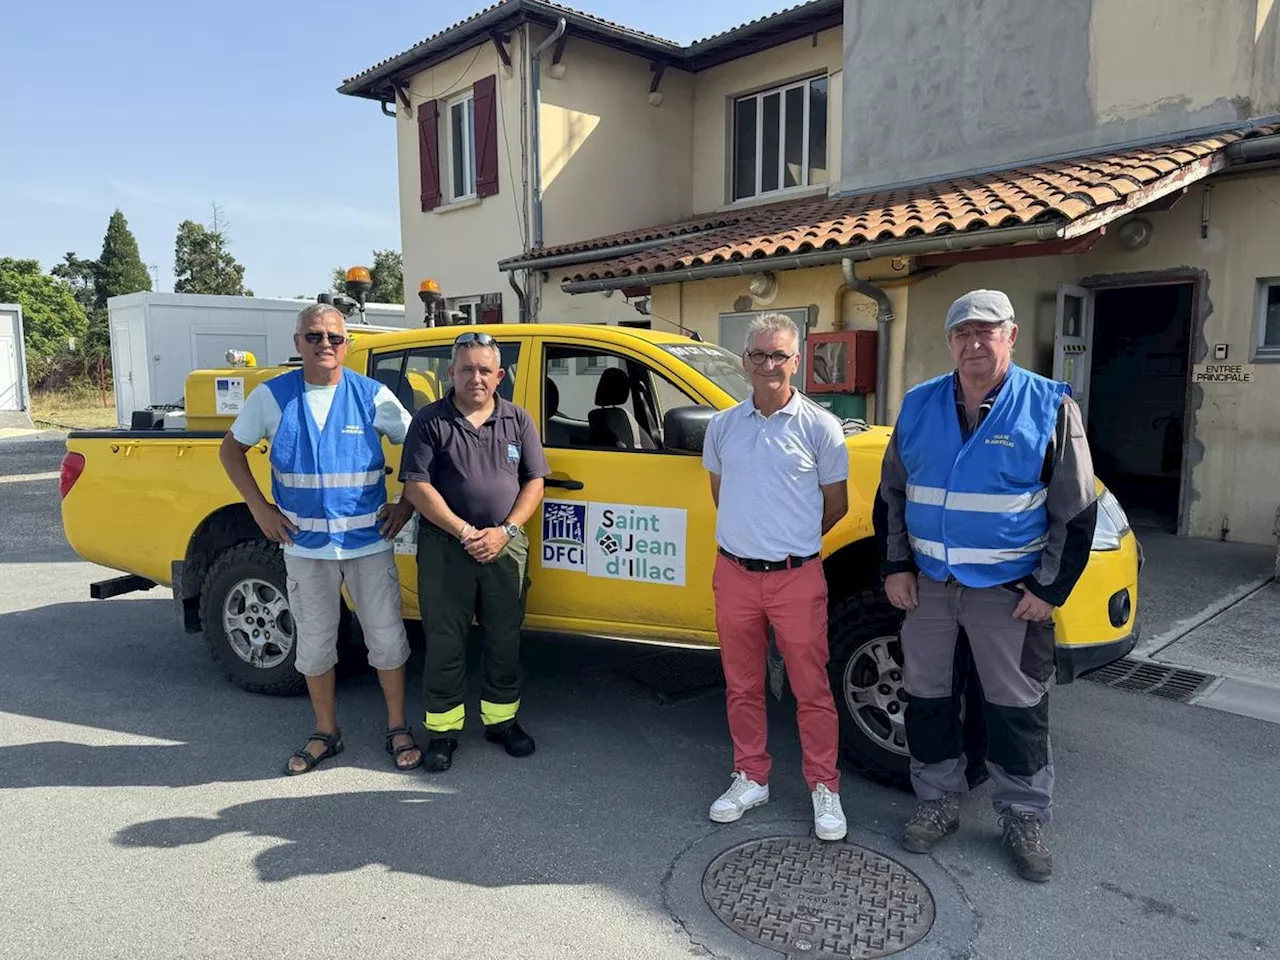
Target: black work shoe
934	820
515	741
437	756
1024	836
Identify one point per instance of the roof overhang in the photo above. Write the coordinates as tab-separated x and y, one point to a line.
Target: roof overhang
380	82
1036	210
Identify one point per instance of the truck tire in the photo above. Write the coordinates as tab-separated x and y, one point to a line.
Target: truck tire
248	628
865	667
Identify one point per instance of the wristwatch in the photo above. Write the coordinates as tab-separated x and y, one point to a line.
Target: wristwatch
511	530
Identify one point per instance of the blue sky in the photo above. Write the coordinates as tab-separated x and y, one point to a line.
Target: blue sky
162	108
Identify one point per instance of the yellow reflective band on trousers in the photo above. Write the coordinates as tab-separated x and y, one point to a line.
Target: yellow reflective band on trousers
491	713
448	721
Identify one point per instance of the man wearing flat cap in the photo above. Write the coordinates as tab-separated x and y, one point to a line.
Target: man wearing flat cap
987	514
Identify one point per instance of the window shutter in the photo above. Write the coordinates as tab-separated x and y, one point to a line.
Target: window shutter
485	93
429	153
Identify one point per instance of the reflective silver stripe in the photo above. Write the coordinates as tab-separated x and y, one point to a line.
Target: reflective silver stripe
970	555
929	548
336	525
315	481
933	496
997	502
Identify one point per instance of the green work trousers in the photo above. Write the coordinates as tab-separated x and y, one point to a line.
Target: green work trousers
452	589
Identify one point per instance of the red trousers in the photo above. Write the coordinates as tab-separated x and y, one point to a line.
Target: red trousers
794	602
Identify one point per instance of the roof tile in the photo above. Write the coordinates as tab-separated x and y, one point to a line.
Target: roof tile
1057	191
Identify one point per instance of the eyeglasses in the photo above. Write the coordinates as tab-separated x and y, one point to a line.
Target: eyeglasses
758	357
481	338
335	339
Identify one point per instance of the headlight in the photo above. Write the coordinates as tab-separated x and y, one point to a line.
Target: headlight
1112	523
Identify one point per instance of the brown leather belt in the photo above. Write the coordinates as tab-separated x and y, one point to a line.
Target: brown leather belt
767	566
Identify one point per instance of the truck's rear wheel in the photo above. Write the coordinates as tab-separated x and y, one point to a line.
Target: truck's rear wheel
248	628
866	678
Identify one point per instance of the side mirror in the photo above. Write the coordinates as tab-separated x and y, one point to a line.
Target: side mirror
684	428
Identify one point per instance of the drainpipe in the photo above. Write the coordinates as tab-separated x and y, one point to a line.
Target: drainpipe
535	97
884	319
524	304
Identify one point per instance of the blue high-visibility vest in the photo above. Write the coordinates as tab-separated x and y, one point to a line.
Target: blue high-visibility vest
329	483
976	508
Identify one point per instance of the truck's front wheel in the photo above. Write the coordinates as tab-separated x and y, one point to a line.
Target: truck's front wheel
248	628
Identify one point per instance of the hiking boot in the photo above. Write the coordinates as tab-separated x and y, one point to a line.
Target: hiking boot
437	756
1024	836
742	795
934	820
828	816
512	737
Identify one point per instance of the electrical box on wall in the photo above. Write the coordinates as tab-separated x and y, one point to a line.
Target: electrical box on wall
842	361
1219	351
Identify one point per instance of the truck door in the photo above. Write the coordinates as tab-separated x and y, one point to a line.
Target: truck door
625	541
1073	343
419	376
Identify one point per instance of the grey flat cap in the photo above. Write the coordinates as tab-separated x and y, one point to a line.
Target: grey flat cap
981	306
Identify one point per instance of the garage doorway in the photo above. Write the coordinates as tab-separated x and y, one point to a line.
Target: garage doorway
1138	388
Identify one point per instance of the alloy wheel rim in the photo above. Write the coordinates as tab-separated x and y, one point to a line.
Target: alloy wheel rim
257	623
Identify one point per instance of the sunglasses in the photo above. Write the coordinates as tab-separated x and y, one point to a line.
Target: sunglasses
335	339
481	338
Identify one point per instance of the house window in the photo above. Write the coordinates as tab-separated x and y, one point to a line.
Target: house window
1267	345
780	139
462	147
469	308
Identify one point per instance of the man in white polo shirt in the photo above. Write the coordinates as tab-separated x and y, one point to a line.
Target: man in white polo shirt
779	469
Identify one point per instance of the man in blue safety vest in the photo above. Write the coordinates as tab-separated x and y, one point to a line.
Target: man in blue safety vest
988	508
325	424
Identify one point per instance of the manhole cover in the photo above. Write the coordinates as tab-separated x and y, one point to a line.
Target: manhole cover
809	898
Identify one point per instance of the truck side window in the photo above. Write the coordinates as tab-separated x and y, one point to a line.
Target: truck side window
388	369
426	374
597	399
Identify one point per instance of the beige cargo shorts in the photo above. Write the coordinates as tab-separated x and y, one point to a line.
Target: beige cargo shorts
315	604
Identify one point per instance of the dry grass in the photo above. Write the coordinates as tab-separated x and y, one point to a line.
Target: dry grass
73	408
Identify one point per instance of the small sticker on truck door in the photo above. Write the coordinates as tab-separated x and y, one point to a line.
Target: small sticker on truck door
229	394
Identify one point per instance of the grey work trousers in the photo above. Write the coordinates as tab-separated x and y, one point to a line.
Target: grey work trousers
1014	660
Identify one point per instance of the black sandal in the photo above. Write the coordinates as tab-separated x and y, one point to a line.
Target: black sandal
397	751
333	746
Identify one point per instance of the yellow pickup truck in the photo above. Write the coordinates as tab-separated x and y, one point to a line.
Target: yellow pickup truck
623	546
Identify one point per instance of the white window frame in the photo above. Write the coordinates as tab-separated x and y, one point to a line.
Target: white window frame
1264	352
470	306
759	98
467	104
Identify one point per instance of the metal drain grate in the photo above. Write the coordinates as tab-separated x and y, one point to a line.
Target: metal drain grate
1143	676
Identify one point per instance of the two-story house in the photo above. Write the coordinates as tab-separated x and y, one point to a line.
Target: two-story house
1110	164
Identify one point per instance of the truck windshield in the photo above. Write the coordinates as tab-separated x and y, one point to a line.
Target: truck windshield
716	364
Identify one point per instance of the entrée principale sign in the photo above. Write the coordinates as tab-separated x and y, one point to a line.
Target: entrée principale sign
1222	373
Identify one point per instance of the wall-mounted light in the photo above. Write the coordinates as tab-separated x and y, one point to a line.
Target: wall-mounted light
763	286
1135	234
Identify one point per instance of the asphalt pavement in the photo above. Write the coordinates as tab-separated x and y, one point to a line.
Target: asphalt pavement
144	814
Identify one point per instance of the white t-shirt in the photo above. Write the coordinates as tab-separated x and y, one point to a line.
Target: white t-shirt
259	419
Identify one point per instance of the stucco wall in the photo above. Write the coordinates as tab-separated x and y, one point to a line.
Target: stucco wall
460	245
1236	426
715	89
985	84
610	160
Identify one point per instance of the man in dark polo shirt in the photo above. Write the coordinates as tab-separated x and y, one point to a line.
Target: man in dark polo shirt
473	467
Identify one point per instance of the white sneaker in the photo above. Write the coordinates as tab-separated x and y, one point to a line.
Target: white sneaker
828	815
742	795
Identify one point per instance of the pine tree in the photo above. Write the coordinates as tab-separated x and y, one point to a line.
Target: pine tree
120	268
203	264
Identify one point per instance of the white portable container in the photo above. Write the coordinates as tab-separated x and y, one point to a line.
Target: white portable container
159	338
